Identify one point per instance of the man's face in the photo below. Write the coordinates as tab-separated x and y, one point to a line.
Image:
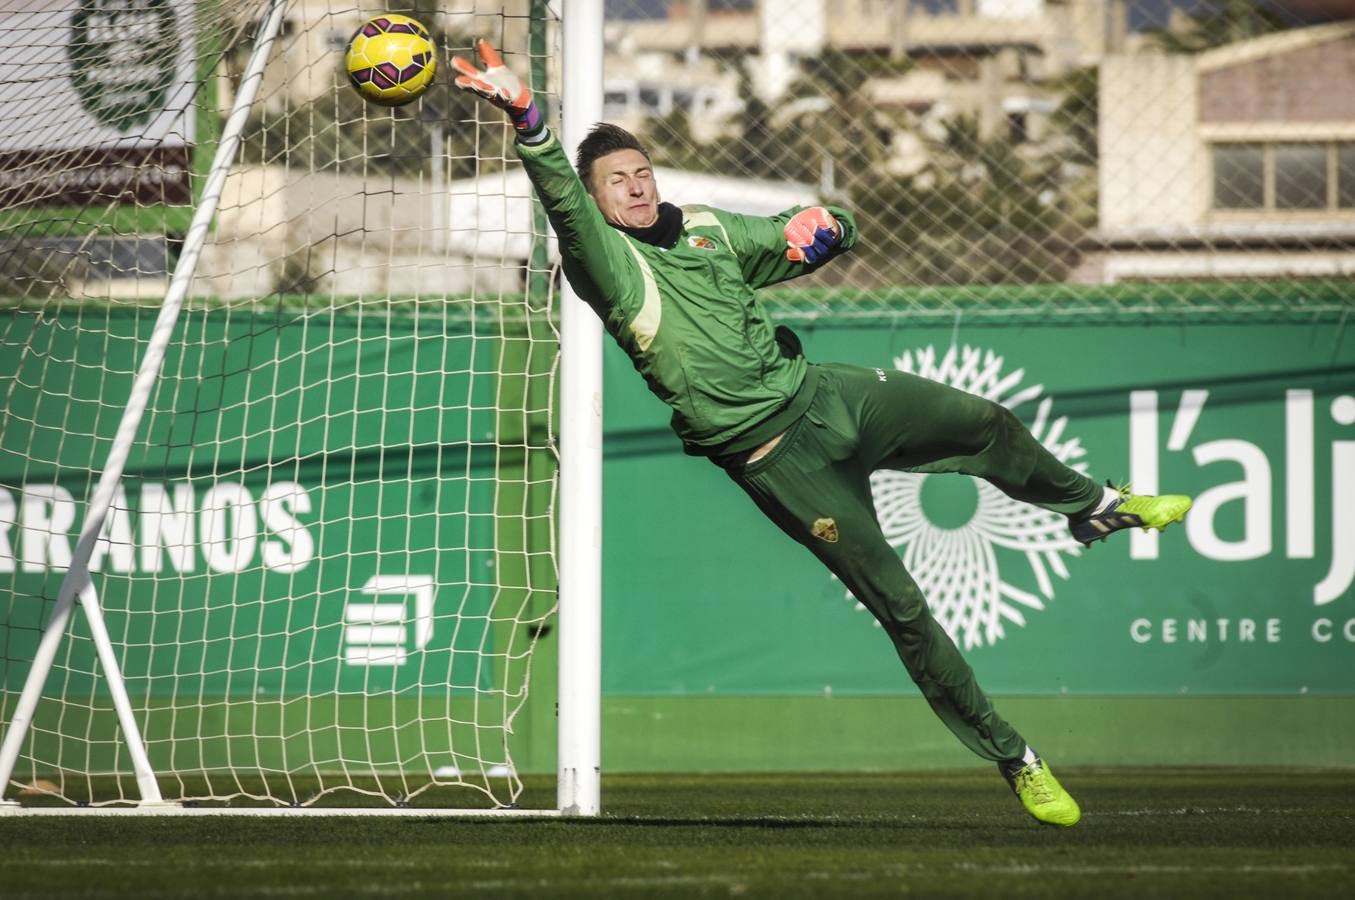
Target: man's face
624	189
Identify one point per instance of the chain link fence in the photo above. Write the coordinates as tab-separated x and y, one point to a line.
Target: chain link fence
982	145
1068	143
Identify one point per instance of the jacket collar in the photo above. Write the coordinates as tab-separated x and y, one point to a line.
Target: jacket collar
664	232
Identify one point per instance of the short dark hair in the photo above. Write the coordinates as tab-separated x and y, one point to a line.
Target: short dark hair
605	138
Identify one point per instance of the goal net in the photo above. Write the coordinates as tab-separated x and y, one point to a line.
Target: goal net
328	565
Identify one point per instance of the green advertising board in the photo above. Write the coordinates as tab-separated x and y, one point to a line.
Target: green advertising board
310	508
1253	417
333	537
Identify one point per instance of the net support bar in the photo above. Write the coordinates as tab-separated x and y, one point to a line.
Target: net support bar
77	581
580	523
197	812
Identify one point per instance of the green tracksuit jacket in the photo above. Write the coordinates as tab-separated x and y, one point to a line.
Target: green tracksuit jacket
689	317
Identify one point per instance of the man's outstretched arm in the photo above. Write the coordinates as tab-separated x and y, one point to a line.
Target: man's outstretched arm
595	257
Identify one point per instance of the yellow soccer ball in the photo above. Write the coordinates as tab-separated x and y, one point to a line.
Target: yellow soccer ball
391	59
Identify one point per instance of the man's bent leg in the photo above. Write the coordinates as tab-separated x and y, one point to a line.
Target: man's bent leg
827	507
910	422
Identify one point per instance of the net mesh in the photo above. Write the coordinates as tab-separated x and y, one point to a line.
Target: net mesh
330	559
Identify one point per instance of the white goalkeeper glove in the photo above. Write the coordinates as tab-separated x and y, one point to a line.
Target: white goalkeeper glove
500	86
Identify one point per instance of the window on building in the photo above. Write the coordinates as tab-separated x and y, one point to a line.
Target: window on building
934	7
1300	176
1345	176
1314	176
615	103
650	100
1239	176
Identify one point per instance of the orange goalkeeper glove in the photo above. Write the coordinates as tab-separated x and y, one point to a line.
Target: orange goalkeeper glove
500	86
811	235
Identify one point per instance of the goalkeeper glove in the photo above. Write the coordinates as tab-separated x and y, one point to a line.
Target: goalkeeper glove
811	234
501	87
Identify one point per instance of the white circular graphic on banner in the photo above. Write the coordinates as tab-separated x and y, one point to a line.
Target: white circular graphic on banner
982	559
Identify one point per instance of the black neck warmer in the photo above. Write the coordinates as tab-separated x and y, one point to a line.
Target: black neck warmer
665	230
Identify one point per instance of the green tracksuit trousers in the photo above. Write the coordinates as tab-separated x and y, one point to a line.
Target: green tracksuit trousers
815	485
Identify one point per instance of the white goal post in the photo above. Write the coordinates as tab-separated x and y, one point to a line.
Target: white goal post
316	379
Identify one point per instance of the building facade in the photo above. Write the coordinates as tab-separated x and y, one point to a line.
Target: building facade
1236	162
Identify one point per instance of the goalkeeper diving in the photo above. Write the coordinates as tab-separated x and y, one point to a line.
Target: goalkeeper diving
677	289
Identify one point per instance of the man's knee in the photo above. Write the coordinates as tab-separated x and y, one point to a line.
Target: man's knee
902	610
996	423
1004	446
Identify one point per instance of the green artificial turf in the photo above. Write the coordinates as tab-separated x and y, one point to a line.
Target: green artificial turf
1145	833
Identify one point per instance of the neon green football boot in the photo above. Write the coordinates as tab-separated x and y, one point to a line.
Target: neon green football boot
1040	792
1128	511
